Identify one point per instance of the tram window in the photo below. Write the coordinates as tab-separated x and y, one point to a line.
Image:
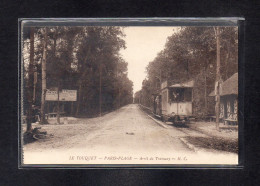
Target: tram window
187	94
176	95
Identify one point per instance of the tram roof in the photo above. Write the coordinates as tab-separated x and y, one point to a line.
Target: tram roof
188	84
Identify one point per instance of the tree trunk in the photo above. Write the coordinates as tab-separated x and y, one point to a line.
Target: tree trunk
79	98
30	83
119	96
217	80
58	102
84	72
71	108
79	102
43	121
34	85
100	90
205	91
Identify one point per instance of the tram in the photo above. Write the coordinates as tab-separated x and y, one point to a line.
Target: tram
174	102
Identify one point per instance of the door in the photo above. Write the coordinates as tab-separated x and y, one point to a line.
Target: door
164	101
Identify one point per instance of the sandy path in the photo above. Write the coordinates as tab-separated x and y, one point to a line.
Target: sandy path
128	134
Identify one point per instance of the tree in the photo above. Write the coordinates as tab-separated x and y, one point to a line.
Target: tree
191	54
73	58
43	120
30	83
100	46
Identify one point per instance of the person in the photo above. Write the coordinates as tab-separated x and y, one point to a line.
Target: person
175	96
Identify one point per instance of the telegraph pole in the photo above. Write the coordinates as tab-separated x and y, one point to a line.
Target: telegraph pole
217	80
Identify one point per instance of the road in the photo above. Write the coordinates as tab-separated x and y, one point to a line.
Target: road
125	136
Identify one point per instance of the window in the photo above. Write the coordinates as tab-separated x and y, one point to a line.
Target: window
188	94
176	95
180	94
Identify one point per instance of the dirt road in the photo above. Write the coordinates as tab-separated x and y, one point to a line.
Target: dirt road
125	136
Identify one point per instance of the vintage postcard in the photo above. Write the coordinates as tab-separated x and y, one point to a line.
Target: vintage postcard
129	95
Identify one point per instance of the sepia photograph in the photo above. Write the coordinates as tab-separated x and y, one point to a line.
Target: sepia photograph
129	95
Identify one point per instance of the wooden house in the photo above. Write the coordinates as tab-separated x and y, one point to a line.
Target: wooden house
229	100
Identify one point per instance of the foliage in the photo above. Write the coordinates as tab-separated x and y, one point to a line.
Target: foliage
86	59
191	54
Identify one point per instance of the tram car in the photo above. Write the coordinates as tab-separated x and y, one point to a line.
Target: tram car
174	102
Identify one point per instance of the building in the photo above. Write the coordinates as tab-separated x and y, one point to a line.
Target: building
229	100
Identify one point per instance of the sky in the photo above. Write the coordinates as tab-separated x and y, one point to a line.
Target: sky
143	44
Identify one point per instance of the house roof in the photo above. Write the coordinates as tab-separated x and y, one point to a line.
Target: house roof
184	85
229	87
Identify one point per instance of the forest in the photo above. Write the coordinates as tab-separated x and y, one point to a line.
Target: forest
86	59
190	54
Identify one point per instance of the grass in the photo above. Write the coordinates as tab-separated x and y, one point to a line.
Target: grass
214	143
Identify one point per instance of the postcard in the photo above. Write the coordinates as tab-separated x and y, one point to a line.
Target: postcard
94	95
